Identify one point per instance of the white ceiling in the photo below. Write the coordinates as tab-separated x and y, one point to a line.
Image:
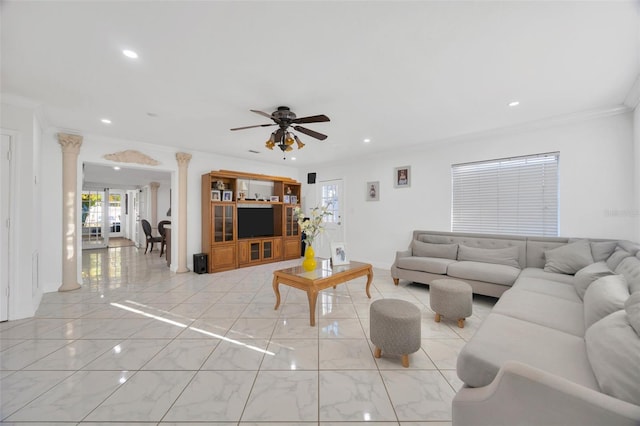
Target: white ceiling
399	73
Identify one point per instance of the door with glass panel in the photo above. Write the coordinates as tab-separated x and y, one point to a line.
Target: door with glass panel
330	195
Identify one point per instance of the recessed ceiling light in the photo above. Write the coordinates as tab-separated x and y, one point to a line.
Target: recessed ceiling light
116	167
152	114
293	158
514	103
367	140
106	121
130	54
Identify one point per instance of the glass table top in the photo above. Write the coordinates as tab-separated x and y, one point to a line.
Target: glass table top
324	269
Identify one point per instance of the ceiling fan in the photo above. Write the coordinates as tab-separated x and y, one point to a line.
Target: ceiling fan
283	138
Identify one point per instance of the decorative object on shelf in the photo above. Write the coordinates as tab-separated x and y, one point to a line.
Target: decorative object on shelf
338	254
220	185
215	195
311	226
286	199
288	190
227	195
402	177
243	190
283	138
294	199
274	198
373	191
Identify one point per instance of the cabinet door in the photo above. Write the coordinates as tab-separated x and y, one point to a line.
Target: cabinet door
229	222
255	250
291	222
277	249
267	249
243	252
218	223
223	257
291	248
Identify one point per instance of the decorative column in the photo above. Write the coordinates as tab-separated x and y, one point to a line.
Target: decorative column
106	221
183	162
154	203
70	148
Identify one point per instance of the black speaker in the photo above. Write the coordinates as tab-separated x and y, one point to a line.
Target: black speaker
200	261
311	178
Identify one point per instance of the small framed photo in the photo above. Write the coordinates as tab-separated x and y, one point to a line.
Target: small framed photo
294	199
215	195
287	199
227	195
373	191
274	198
338	254
402	177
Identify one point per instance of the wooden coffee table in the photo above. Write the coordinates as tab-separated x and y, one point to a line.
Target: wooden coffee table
324	276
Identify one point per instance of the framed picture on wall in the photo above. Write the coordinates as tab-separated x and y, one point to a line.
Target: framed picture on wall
338	254
402	177
227	195
373	191
215	195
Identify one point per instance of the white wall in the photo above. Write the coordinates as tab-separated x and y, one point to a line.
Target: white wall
25	291
596	184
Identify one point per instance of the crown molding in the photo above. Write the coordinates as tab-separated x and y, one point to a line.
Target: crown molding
530	126
633	97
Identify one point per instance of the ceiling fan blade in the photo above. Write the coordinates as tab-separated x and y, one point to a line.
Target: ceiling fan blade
263	113
311	133
250	127
311	119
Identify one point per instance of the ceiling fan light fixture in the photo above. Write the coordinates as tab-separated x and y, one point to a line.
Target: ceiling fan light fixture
288	139
299	142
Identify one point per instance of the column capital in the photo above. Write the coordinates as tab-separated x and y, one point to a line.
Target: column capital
70	143
154	185
183	158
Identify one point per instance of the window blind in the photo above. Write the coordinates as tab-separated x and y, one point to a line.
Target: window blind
506	196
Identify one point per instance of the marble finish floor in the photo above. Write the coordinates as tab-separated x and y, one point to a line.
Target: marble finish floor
138	344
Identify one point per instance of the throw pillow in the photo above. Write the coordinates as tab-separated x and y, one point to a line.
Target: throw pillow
630	268
503	256
603	297
616	257
585	276
601	250
613	349
569	258
632	307
444	251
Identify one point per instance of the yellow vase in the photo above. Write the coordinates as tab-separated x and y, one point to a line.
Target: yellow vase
309	262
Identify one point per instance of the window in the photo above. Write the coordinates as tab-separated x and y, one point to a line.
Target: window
506	196
330	199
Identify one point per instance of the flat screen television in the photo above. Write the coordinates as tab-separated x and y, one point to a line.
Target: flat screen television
255	222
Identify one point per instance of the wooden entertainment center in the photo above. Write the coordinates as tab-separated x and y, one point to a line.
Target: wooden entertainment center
249	219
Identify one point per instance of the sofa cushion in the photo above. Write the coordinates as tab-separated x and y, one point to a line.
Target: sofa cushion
630	268
547	276
444	251
568	259
603	297
433	265
585	276
551	288
616	257
488	272
632	307
543	309
601	250
535	250
502	338
613	348
502	256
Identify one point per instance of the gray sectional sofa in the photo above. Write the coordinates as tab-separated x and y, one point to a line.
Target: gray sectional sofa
562	344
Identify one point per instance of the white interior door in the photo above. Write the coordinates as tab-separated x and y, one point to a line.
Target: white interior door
331	194
5	202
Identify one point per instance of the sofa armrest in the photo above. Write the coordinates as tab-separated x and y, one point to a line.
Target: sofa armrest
523	395
403	253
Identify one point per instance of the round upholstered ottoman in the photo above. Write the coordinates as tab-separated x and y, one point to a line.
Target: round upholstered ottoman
395	328
451	299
